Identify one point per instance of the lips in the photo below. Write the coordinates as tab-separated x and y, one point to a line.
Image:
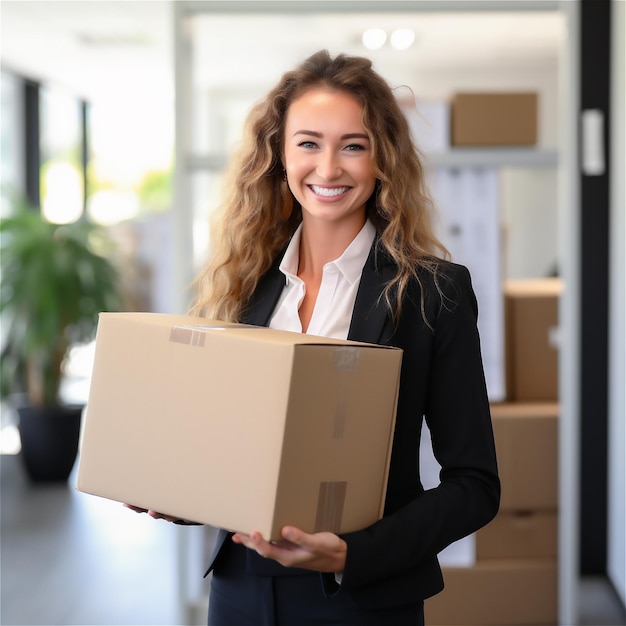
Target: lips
328	192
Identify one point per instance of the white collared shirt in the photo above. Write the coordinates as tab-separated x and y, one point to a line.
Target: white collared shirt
337	294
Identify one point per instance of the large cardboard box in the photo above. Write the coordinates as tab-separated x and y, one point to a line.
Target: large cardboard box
494	119
519	535
526	436
237	426
531	322
497	593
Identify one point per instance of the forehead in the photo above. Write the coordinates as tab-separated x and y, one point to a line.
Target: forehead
323	105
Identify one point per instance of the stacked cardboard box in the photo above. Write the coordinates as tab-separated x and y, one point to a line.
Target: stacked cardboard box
514	578
531	339
494	119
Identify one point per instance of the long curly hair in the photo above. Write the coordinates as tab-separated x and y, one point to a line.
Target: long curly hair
259	214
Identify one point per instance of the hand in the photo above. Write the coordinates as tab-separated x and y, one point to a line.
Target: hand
154	514
321	552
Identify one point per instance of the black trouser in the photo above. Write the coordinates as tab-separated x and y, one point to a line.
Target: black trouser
239	598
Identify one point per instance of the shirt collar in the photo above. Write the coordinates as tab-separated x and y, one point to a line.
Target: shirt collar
350	263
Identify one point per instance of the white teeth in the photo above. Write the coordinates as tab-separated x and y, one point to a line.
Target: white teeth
329	192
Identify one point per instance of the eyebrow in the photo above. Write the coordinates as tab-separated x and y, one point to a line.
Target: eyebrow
313	133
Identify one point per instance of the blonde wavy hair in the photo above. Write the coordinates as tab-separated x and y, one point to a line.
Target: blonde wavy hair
259	214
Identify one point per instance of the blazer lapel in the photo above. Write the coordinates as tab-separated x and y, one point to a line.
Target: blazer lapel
265	297
370	320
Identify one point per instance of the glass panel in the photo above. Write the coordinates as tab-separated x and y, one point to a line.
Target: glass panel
11	169
61	173
130	168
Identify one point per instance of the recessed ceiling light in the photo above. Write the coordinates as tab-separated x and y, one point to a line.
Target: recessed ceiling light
374	38
402	38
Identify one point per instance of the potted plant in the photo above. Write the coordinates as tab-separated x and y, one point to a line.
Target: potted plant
55	279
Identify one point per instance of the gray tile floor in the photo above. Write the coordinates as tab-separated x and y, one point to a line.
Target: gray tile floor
69	558
599	605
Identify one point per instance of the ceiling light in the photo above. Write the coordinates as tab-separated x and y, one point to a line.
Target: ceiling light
402	38
374	38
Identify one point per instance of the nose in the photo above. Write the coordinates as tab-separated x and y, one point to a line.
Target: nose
328	165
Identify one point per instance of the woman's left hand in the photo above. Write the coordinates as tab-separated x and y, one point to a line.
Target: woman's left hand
322	552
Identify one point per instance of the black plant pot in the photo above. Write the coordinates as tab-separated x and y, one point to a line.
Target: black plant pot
49	438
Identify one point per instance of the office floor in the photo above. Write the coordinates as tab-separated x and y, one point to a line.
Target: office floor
70	558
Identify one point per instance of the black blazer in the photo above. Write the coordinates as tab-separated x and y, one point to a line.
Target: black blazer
394	561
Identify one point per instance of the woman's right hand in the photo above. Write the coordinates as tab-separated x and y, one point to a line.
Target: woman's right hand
157	515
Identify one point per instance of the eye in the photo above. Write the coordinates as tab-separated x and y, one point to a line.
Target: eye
354	147
308	145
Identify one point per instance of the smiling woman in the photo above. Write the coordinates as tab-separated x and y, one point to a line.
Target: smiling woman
326	229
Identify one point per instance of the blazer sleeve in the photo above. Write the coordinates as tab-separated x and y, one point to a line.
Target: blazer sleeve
451	395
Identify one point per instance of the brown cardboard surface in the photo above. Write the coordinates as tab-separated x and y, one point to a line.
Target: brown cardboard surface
494	119
497	593
525	535
531	317
526	436
236	426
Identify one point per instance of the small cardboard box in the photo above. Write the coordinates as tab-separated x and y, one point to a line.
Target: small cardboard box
240	427
526	436
519	535
531	321
494	119
497	593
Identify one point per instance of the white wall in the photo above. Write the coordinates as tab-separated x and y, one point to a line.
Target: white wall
529	197
616	557
530	222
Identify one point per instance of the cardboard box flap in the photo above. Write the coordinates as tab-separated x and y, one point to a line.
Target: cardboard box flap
249	331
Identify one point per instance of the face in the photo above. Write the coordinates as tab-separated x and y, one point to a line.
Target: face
327	156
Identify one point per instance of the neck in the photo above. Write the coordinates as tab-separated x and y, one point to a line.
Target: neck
323	242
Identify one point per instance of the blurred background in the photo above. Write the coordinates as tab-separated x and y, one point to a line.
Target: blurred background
122	114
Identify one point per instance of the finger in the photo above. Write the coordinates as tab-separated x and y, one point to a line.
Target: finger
137	509
243	540
254	541
294	535
259	544
157	515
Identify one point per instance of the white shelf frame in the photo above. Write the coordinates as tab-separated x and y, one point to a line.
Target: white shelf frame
455	157
494	157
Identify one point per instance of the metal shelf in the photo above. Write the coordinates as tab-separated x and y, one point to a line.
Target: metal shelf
494	157
455	157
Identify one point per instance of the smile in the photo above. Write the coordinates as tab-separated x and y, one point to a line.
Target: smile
329	192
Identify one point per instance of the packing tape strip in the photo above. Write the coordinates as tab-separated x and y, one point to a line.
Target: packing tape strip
345	360
330	504
187	335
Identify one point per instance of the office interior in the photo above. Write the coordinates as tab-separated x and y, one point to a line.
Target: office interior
137	105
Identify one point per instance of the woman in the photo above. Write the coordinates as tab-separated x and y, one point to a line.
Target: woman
326	229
